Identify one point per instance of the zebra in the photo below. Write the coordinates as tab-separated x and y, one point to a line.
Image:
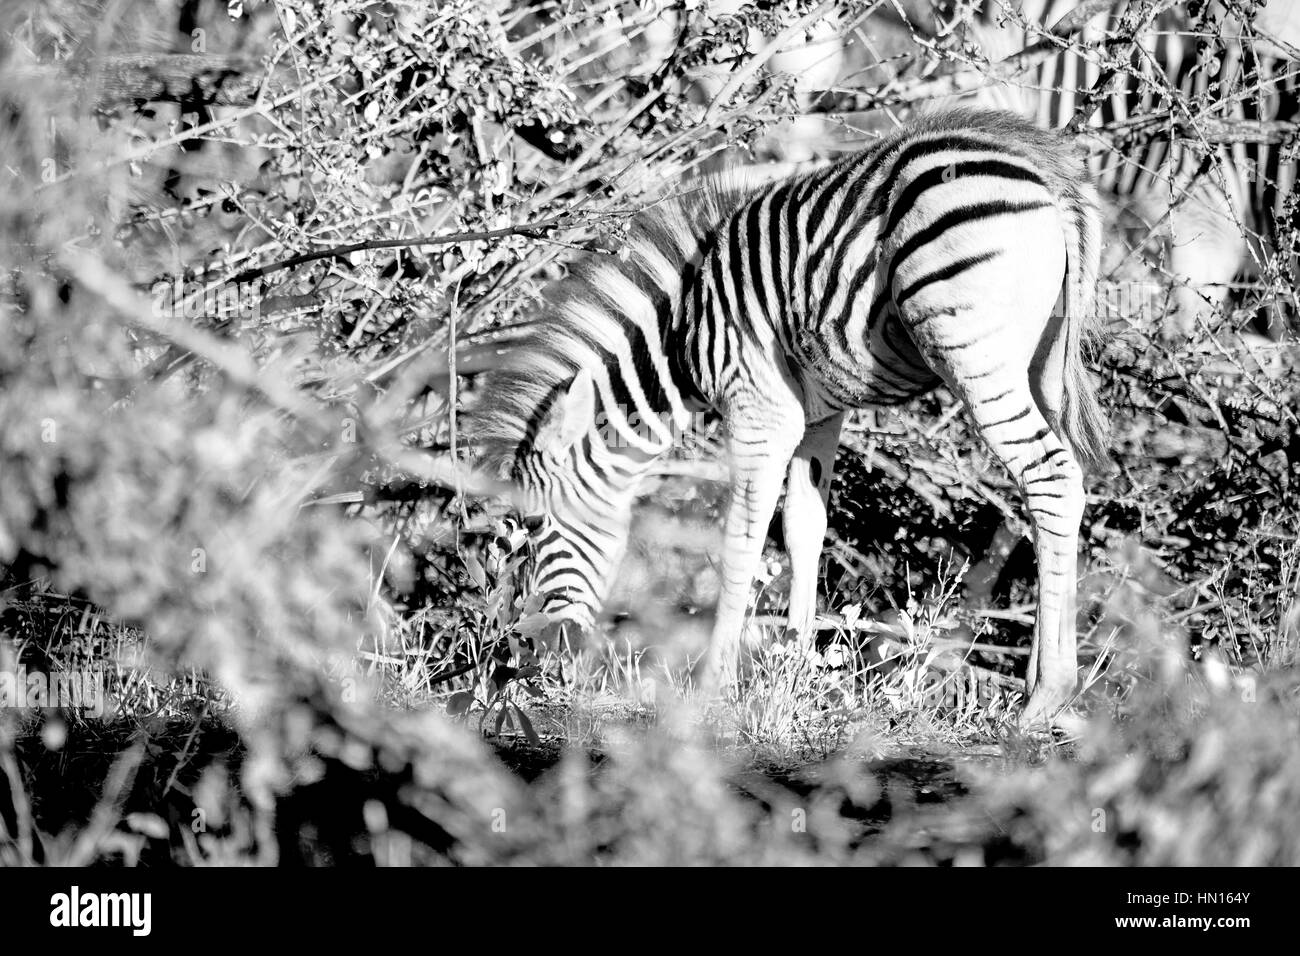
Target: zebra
961	250
1220	208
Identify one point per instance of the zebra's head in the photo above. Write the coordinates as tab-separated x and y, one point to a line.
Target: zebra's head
577	494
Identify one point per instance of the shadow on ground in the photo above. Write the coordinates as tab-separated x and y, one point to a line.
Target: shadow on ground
186	789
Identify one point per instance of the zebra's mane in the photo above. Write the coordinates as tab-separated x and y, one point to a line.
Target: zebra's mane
590	308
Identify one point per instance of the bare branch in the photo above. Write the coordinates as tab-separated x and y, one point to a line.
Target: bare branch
535	230
167	77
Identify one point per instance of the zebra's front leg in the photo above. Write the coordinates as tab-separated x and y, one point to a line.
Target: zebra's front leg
760	448
804	516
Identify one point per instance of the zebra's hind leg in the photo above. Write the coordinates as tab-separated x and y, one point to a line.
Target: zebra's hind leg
1044	467
804	518
760	447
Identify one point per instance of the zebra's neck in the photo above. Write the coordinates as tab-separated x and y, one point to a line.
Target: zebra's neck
616	320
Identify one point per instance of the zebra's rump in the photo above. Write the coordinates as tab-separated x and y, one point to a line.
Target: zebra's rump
821	266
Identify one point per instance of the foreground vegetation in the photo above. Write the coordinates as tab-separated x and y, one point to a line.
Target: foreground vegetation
1184	765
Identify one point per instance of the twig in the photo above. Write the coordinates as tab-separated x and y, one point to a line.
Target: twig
213	79
24	820
451	675
143	152
93	274
533	230
108	811
1131	26
770	49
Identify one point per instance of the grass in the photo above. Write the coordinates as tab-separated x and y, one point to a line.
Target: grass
890	741
817	756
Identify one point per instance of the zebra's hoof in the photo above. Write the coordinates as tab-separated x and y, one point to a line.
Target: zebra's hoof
1043	710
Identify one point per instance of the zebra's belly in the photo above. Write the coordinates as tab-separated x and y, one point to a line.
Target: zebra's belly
877	365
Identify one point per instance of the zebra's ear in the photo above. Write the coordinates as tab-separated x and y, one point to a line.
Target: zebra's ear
569	417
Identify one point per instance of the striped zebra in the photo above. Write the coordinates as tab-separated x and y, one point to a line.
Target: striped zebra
1220	208
938	255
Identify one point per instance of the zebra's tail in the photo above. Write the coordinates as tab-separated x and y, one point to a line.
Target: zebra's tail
1082	421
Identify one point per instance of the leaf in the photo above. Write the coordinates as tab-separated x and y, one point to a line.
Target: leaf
551	636
503	717
476	572
459	702
527	726
530	625
503	675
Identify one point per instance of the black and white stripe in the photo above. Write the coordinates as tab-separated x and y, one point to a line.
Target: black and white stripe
1220	207
938	255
